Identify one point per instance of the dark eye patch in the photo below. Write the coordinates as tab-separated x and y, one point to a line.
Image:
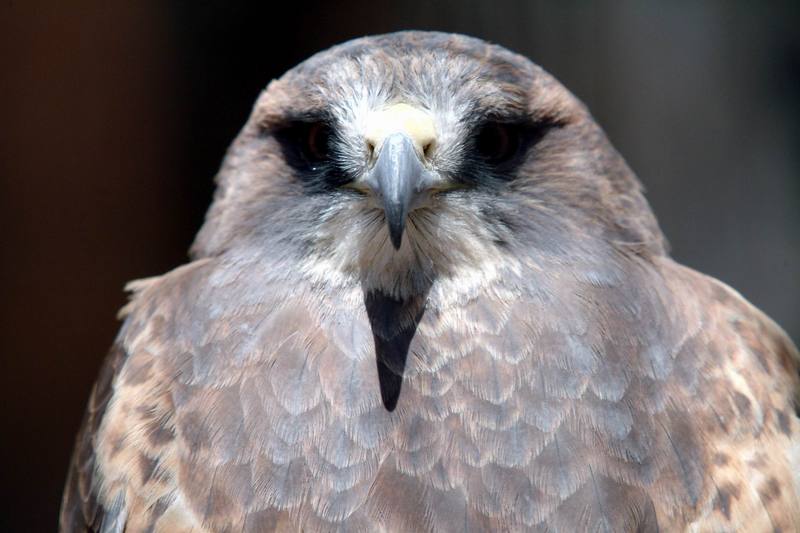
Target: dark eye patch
498	145
308	145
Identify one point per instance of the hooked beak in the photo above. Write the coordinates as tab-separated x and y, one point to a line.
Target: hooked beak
399	180
401	134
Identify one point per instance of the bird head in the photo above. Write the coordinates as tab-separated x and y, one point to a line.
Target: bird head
395	160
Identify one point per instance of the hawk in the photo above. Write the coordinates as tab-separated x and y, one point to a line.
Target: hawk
430	296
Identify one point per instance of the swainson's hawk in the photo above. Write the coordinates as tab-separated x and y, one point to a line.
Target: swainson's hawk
430	296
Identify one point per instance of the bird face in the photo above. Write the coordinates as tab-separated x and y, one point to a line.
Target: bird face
402	158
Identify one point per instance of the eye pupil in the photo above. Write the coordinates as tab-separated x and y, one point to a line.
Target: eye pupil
497	142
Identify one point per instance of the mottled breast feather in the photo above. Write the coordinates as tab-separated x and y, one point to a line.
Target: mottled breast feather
251	408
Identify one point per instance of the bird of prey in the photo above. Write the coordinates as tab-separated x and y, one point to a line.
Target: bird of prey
430	296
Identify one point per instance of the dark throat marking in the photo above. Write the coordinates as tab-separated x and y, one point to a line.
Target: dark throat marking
394	323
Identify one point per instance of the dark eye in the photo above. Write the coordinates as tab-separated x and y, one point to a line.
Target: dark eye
317	142
498	143
307	145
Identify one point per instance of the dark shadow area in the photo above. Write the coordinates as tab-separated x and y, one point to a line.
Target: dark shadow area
394	323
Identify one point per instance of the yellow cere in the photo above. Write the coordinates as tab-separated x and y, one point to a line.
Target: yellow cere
401	118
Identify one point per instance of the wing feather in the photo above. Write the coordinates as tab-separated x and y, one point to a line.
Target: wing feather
80	508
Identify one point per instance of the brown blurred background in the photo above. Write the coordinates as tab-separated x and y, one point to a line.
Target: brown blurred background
115	117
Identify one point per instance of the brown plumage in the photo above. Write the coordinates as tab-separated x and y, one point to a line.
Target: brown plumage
518	353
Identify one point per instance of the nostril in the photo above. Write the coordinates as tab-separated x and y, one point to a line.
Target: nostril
370	149
427	149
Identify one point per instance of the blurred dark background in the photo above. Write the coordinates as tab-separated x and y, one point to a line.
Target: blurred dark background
115	116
